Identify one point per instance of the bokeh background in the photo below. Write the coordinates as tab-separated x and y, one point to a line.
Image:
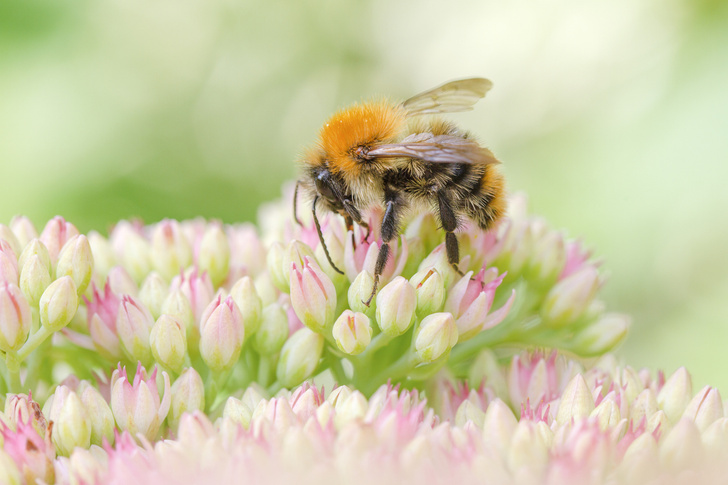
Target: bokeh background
611	114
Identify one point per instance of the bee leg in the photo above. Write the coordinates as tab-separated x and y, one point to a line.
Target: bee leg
355	215
350	228
389	232
295	203
321	236
449	223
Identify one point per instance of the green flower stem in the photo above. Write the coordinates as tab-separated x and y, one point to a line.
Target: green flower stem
338	370
395	372
264	370
33	342
13	367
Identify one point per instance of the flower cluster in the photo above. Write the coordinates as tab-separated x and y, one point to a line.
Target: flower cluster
227	326
544	419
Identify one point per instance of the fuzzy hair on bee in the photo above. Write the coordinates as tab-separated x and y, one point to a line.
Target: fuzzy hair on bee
402	156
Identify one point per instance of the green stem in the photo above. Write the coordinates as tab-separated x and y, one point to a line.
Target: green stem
338	370
398	370
33	342
13	366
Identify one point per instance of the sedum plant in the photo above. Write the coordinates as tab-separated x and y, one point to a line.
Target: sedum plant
191	350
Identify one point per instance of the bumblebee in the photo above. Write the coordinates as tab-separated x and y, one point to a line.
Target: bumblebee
393	155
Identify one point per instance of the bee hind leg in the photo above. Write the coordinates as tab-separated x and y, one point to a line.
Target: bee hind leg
389	232
449	222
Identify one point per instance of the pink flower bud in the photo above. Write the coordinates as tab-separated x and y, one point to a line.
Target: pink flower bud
313	295
100	417
213	256
280	258
435	337
188	395
28	451
102	311
121	282
470	300
20	408
221	334
23	229
71	426
198	289
35	248
77	261
247	251
133	325
132	249
396	304
171	251
8	263
364	257
7	235
15	318
153	293
299	357
137	407
34	279
249	303
570	297
430	291
168	342
55	235
273	330
352	332
437	259
58	304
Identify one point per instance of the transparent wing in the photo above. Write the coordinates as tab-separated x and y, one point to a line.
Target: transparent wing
454	96
436	149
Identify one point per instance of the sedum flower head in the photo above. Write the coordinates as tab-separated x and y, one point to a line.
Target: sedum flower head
240	320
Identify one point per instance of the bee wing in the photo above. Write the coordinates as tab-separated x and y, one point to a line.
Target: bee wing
454	96
436	149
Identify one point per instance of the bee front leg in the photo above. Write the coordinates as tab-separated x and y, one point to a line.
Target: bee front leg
449	222
355	216
389	232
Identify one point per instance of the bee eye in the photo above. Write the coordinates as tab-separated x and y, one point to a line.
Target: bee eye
324	189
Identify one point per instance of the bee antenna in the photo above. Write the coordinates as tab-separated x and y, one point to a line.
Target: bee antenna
295	203
321	235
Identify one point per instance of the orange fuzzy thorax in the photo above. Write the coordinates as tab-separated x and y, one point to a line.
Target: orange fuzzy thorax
359	125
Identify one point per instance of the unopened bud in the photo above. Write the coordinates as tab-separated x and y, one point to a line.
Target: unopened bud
359	291
170	250
396	304
58	304
601	336
273	330
15	318
436	335
299	357
214	254
133	325
77	261
153	293
246	297
188	395
168	342
313	295
221	334
352	332
23	229
570	297
98	412
430	291
34	279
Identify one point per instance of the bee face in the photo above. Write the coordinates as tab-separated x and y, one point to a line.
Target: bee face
327	189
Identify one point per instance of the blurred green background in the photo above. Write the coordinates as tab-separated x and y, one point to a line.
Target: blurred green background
611	114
